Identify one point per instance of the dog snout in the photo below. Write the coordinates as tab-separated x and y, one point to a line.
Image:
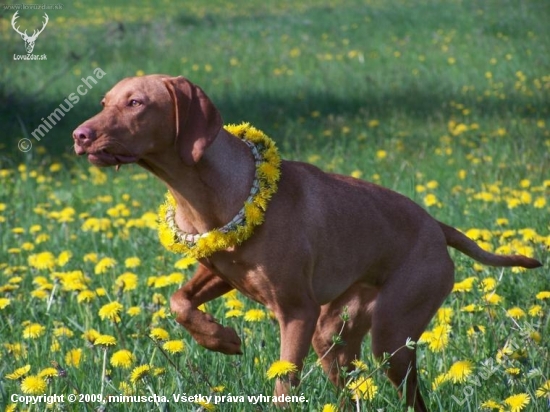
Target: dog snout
84	136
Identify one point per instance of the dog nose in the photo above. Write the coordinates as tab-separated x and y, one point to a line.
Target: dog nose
84	135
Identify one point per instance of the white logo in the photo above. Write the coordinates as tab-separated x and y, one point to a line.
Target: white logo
29	40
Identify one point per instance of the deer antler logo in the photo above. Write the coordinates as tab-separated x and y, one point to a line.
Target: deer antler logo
29	40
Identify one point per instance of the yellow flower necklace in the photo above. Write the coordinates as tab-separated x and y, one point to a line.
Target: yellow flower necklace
242	226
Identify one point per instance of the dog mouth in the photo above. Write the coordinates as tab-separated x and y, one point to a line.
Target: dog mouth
104	158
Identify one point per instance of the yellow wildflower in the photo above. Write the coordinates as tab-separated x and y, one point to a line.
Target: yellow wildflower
173	346
363	388
111	311
127	281
280	368
33	385
465	285
105	341
4	302
73	357
103	265
139	373
492	298
48	373
159	334
459	371
254	315
44	260
515	313
122	359
33	331
518	402
18	373
544	390
132	262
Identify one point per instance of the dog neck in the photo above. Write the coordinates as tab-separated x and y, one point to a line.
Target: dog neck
211	192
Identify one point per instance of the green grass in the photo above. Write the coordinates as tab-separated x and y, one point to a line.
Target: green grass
446	102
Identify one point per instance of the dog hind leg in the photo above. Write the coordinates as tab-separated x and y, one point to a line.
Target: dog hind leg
358	303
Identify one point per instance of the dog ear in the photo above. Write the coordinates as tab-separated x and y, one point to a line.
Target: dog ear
197	119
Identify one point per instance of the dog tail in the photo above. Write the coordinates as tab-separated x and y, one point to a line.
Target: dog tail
463	243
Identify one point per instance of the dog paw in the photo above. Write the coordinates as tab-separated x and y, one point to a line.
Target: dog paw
220	339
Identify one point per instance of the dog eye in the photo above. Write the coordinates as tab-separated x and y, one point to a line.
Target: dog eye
134	103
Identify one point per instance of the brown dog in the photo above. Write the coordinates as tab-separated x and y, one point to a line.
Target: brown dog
328	241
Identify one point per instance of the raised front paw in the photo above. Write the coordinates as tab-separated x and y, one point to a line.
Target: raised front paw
218	338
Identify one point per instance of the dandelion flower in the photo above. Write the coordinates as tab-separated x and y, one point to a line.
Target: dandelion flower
535	310
159	314
490	404
488	284
359	364
4	302
86	296
205	405
105	341
103	265
139	373
173	346
184	263
127	281
125	388
133	311
48	373
122	359
73	357
459	371
111	311
132	262
544	390
363	388
91	335
234	304
44	260
517	402
18	373
465	285
444	315
64	258
33	331
63	331
91	257
254	315
471	308
515	313
513	371
493	298
281	368
431	200
439	338
329	407
233	313
543	295
33	385
159	334
440	379
473	330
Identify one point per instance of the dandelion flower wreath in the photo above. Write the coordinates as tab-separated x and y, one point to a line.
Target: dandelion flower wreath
266	176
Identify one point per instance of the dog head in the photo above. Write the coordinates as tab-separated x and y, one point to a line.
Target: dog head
144	116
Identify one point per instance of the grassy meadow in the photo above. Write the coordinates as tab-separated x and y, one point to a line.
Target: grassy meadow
445	101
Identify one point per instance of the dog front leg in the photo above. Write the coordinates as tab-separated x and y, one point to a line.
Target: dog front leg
297	328
203	287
